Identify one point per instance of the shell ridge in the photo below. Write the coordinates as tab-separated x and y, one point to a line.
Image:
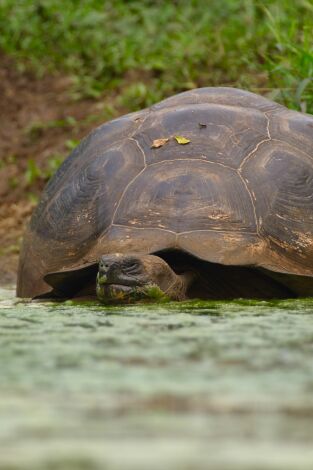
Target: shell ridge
268	139
124	192
191	160
140	148
143	228
252	201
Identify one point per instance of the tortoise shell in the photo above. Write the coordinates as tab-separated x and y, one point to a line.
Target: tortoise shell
240	192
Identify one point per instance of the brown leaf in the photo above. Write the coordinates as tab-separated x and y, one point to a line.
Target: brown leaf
159	143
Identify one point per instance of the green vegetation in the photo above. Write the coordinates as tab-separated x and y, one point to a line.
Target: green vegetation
34	173
35	129
149	50
151	293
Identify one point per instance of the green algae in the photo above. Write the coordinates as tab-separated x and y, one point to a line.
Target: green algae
176	385
145	294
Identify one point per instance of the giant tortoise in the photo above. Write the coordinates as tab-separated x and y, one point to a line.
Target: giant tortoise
207	194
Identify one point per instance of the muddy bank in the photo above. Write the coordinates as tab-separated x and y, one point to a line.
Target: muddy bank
41	121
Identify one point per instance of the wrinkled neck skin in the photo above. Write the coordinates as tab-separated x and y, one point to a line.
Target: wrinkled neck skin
174	286
177	290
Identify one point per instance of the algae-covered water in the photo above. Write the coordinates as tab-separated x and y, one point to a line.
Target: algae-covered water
221	385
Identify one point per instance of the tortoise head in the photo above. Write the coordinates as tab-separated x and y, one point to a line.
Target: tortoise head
127	278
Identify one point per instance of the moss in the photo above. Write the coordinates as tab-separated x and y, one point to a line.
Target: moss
81	380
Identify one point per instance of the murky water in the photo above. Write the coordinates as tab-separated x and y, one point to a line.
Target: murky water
221	385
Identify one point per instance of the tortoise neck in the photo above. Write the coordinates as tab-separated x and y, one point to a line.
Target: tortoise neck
180	285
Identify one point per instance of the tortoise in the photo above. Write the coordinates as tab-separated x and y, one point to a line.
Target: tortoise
207	194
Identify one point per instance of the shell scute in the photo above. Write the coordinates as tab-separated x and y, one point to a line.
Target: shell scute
226	136
180	196
88	201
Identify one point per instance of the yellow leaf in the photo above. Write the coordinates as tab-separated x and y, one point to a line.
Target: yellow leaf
159	143
181	140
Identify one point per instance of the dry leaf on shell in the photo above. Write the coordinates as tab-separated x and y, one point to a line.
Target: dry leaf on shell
159	143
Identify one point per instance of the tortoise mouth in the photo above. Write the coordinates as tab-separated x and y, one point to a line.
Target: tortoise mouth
110	293
115	286
121	280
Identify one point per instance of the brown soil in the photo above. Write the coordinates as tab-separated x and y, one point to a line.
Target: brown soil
35	126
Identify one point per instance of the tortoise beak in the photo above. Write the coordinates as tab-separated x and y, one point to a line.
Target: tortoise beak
101	278
111	292
118	279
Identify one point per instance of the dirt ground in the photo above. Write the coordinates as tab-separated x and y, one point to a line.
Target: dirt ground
39	117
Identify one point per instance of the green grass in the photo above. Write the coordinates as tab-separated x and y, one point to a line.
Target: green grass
34	173
151	49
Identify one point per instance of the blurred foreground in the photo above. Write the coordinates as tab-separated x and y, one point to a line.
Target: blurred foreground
197	385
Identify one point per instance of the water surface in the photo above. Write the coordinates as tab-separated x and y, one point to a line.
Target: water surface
225	385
